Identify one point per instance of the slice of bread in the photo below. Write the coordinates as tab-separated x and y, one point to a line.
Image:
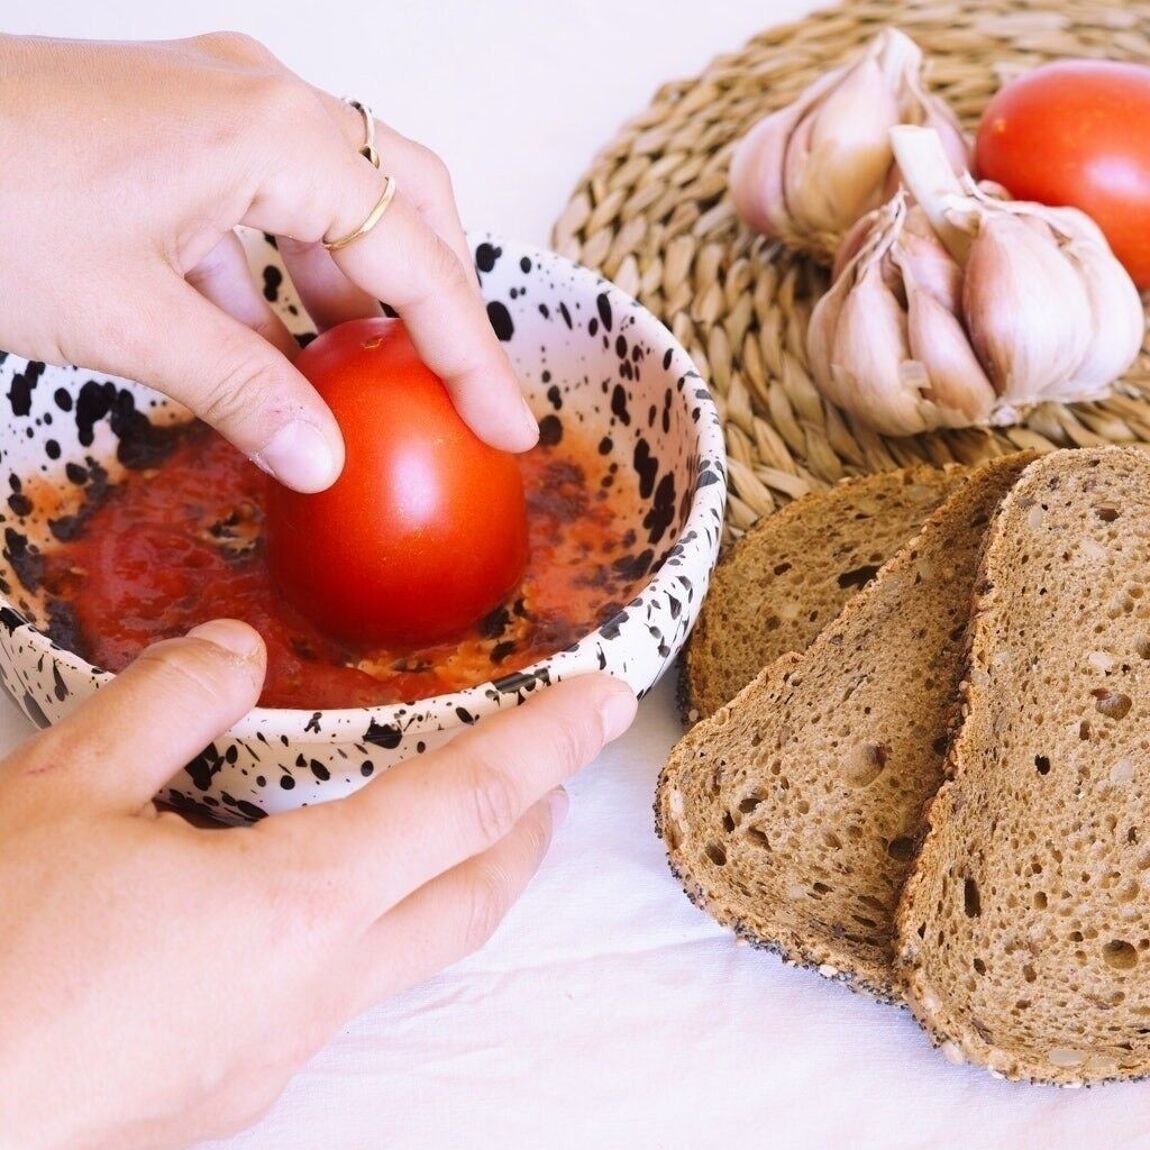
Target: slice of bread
792	814
1024	932
790	575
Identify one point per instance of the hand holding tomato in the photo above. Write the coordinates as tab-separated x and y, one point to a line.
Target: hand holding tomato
425	530
126	259
1077	133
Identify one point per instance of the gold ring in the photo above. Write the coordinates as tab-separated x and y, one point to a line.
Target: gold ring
367	151
373	217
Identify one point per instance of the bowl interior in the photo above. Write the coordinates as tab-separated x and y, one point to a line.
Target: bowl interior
593	364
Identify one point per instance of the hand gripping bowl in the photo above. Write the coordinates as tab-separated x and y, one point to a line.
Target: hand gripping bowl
586	354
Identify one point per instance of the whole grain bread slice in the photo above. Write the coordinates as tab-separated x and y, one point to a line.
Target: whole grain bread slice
792	814
1024	932
777	587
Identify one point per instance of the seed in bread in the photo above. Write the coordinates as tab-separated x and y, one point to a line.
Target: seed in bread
792	814
1024	933
791	574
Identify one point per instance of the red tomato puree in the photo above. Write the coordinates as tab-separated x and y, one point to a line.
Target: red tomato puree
171	547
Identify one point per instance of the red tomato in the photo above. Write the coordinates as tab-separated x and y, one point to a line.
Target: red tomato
1077	132
425	530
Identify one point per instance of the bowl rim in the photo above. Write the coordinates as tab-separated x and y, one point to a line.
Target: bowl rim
704	520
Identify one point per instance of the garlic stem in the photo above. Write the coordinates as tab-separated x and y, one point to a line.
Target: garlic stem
928	176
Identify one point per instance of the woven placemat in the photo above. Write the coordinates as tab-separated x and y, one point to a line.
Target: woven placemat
653	215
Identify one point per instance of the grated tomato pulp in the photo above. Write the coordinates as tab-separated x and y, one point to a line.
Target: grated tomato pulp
176	545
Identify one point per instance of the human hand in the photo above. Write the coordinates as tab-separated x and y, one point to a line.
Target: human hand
130	166
162	981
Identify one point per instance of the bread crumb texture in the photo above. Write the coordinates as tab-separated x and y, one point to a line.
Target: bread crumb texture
792	573
792	814
1024	934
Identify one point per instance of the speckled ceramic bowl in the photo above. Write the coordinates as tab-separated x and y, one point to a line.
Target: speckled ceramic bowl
587	354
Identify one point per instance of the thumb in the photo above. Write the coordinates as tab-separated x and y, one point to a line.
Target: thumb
234	379
118	748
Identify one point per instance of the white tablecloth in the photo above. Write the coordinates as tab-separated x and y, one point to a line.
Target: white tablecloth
607	1012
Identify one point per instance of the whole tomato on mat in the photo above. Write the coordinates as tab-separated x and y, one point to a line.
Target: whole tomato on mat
425	530
1077	132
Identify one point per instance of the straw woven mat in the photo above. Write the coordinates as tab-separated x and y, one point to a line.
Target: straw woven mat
653	215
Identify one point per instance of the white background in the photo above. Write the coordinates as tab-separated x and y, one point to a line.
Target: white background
607	1012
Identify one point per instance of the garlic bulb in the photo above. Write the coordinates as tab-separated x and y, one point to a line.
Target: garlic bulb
884	343
807	173
1119	320
960	307
1025	307
947	371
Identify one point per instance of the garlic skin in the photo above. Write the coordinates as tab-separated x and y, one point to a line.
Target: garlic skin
870	350
808	172
1001	305
881	343
1119	321
756	174
837	159
1026	308
1052	315
953	378
821	330
924	258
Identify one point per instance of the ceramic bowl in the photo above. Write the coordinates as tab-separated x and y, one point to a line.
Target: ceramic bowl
587	355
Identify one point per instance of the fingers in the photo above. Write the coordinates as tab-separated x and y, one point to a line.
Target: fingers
403	261
431	813
421	173
428	184
327	295
119	747
454	914
240	384
407	264
223	278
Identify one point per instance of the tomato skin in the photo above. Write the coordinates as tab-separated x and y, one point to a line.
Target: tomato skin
1077	132
425	530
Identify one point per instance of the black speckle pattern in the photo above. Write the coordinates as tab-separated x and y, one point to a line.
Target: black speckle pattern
603	305
273	278
9	620
646	467
501	322
204	767
486	257
550	430
589	358
21	387
385	735
620	405
34	711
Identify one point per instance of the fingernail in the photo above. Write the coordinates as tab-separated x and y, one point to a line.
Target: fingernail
559	803
231	635
299	456
530	423
617	710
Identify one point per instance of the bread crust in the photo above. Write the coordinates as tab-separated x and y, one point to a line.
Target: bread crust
1023	934
792	814
789	576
